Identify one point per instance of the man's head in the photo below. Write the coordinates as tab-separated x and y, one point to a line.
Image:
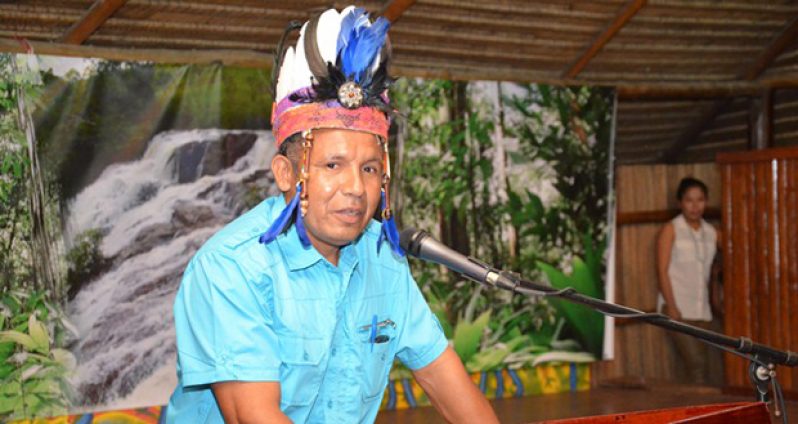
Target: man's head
344	179
330	119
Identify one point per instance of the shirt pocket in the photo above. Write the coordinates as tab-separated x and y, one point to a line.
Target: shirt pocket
376	353
301	371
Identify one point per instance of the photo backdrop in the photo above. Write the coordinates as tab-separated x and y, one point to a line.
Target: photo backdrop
141	163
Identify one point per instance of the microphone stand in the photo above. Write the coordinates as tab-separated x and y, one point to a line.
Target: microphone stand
762	358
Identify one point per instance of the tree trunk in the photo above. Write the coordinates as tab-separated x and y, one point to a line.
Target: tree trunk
454	229
43	258
501	181
397	198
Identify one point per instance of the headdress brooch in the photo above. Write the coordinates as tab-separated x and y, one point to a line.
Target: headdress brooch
335	78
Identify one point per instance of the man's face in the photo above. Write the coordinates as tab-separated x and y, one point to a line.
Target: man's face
344	182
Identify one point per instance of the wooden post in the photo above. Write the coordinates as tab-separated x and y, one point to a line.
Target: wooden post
97	14
628	11
394	9
760	121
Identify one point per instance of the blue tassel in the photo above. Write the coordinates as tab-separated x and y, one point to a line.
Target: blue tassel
300	225
284	219
359	43
279	225
389	232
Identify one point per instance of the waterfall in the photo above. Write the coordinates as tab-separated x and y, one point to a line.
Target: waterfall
154	213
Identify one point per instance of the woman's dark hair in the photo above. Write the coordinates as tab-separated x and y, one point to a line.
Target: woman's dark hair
689	182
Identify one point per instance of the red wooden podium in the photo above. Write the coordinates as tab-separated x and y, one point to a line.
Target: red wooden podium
726	413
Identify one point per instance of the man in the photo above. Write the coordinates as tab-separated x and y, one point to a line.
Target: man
296	310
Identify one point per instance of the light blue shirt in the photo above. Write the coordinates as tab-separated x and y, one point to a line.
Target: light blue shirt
279	312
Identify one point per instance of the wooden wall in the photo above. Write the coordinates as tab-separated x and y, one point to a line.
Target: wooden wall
760	213
642	350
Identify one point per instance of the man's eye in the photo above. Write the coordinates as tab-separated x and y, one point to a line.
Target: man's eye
332	165
370	169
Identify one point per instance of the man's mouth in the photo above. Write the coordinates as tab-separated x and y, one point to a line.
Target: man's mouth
350	215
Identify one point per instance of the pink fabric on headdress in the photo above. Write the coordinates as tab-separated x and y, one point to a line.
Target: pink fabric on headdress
330	115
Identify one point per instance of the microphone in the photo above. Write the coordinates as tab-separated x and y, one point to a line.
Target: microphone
420	244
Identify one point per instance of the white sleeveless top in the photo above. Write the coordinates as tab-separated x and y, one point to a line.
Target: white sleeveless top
689	270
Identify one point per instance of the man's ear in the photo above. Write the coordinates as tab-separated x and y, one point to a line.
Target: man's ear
283	171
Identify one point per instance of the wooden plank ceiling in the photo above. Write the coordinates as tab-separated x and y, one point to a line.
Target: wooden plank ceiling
686	70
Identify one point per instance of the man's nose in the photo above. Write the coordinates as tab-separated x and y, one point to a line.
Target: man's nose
354	184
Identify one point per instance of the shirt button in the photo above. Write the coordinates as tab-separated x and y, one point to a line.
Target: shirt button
306	356
329	404
333	351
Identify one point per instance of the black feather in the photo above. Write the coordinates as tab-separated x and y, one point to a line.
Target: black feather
326	88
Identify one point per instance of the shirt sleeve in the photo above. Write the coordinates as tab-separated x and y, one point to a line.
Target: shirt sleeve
421	338
223	325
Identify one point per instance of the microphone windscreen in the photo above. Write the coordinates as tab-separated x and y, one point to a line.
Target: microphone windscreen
406	239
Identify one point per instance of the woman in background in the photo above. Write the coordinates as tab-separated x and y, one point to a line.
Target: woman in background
685	255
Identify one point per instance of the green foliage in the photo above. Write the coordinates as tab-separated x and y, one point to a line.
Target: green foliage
33	369
15	219
444	174
568	129
84	260
468	334
246	99
587	323
25	230
448	185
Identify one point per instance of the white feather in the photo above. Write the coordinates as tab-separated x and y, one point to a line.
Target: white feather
347	10
284	80
302	74
327	34
377	59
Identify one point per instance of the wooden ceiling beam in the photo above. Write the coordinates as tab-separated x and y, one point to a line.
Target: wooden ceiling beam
242	58
753	71
97	14
394	9
666	91
774	49
689	135
629	10
633	91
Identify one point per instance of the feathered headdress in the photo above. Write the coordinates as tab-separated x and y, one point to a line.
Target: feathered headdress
340	62
335	78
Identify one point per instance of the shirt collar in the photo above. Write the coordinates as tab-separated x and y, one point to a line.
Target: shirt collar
298	256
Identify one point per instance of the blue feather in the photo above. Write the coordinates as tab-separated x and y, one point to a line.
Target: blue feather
355	19
279	225
359	43
300	224
389	227
389	232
